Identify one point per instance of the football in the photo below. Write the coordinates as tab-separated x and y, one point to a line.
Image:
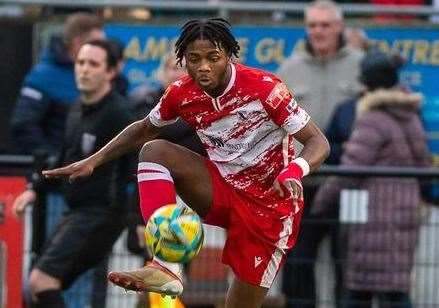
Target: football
174	233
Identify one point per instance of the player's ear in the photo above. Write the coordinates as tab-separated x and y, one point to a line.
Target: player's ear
229	58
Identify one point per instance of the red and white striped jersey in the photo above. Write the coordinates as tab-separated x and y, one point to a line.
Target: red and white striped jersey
246	130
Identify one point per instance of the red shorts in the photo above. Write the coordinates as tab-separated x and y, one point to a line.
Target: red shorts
257	239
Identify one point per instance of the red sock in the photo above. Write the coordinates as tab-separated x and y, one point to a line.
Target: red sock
156	188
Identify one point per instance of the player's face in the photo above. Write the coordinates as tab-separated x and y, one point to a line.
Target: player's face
208	65
323	29
91	71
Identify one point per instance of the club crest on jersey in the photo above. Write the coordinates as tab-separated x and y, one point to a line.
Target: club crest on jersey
279	93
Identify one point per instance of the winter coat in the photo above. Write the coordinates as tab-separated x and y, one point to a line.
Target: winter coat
48	92
387	132
339	129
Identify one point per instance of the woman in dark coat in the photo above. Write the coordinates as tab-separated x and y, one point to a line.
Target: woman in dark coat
387	132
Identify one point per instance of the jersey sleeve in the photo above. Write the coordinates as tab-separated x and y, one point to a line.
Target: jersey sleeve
166	111
284	110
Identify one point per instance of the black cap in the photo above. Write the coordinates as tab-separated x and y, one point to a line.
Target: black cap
380	70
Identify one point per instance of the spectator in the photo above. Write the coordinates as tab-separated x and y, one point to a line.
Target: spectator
97	211
322	75
387	132
326	55
120	82
340	126
49	89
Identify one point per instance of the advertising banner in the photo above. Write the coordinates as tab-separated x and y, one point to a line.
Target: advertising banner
267	47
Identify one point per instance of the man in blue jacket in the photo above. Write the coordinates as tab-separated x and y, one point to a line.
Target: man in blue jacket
49	89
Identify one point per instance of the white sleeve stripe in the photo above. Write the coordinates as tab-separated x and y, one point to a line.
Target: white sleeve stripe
295	123
31	93
142	177
153	166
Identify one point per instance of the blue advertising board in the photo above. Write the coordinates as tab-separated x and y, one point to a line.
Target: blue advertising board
267	47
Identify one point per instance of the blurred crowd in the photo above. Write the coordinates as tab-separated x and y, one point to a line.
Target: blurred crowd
351	90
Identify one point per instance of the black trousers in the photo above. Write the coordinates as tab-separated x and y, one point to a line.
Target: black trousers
298	281
363	299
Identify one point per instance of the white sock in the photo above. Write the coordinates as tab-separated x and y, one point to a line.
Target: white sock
175	268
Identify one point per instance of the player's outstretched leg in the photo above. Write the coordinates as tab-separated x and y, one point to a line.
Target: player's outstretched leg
153	277
164	167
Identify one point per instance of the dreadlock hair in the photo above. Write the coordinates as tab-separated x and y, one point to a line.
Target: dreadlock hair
215	30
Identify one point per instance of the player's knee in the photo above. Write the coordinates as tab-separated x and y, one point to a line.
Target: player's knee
155	151
40	281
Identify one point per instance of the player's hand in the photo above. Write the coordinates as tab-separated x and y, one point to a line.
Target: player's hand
22	201
82	168
291	186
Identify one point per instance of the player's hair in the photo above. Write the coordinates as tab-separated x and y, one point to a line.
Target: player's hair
216	30
79	24
326	5
112	58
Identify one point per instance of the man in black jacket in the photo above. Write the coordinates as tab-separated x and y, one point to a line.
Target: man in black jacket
96	205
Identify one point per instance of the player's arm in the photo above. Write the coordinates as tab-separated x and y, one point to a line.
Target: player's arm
285	112
315	145
315	151
131	138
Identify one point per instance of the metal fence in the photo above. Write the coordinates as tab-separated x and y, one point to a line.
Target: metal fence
206	279
225	8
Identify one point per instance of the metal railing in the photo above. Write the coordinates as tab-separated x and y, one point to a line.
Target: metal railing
205	288
24	164
226	7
